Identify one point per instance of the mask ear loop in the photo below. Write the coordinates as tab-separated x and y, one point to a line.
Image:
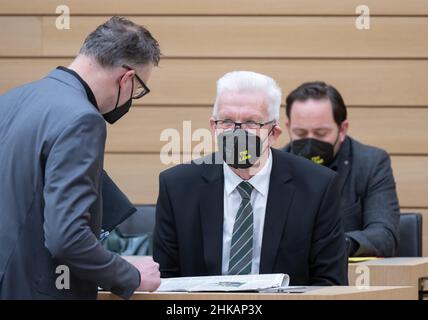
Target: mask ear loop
267	137
337	139
132	89
117	101
118	94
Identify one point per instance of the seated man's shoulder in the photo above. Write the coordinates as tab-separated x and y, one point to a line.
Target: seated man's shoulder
366	155
188	170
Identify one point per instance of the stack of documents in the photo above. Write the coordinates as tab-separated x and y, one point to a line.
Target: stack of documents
250	282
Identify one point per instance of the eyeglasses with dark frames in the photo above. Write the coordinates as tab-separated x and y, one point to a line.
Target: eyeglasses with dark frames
230	124
140	90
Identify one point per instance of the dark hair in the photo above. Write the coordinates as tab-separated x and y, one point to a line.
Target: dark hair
120	41
318	90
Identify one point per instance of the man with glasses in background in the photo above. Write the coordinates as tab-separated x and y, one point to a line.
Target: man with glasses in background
248	208
52	138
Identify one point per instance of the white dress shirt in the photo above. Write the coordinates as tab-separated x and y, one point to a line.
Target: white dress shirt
232	201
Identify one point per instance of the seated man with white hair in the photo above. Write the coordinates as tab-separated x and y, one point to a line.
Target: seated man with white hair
248	208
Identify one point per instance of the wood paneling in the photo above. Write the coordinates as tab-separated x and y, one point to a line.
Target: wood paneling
21	36
232	36
192	81
411	176
214	7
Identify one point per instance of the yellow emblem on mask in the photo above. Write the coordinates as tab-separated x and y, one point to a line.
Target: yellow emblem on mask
317	160
243	155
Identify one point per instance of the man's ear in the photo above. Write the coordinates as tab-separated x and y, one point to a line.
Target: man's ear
127	76
343	130
276	132
212	125
287	124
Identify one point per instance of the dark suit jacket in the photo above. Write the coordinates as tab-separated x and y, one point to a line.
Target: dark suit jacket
303	234
369	203
51	154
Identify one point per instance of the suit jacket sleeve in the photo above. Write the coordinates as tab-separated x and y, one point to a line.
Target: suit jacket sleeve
328	258
379	236
72	185
165	244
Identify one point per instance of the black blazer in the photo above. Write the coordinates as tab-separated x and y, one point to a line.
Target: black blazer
369	203
303	234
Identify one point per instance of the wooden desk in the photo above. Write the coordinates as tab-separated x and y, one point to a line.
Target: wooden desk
312	293
391	272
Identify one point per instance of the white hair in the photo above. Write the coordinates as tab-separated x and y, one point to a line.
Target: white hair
238	81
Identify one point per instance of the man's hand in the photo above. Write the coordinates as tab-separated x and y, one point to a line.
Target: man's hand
149	272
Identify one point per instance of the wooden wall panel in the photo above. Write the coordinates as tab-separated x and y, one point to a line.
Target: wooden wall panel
192	81
214	7
411	176
289	37
21	36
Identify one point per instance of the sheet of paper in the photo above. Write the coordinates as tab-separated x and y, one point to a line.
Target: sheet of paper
252	282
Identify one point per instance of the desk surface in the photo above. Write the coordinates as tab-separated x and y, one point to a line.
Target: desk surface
401	275
312	293
390	271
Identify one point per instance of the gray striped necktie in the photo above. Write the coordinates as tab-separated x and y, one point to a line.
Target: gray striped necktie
241	247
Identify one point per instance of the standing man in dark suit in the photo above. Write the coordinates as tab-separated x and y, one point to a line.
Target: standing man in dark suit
317	124
250	209
52	137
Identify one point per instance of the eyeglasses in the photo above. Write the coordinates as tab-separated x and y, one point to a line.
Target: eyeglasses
141	90
230	124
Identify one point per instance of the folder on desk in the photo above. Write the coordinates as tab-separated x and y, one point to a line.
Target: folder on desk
227	283
116	205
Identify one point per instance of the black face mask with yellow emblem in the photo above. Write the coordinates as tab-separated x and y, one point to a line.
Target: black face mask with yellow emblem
240	149
315	150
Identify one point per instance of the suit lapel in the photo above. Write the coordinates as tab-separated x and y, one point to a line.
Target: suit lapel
281	192
344	166
211	212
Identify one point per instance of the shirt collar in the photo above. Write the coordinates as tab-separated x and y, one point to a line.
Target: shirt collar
89	93
260	181
341	155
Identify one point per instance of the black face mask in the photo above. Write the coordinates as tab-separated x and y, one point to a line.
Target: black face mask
318	151
240	148
119	111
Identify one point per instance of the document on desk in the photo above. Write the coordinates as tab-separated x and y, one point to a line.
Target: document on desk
229	283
